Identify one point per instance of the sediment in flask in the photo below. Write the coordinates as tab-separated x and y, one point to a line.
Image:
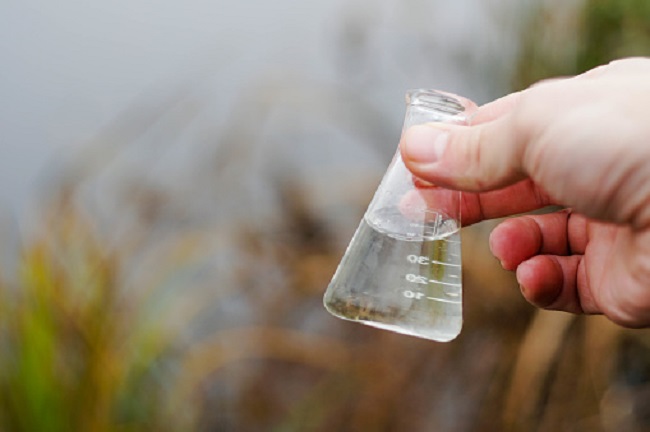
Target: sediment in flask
410	286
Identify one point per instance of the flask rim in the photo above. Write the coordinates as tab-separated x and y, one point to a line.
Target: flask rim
438	100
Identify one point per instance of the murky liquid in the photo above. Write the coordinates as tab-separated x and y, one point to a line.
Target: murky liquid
410	286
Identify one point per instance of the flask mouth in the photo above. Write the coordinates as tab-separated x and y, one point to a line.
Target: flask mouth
437	100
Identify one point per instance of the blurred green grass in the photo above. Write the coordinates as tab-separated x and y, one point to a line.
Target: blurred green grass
75	355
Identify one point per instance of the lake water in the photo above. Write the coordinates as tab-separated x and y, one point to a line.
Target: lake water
71	67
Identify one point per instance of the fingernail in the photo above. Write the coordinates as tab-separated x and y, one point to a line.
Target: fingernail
424	144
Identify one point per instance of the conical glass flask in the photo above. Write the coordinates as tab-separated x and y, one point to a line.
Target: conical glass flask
402	270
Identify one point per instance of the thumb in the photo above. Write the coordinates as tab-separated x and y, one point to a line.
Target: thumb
470	158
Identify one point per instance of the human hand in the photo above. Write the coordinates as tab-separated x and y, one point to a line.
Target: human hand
581	142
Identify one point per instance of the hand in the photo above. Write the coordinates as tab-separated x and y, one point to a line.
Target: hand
582	143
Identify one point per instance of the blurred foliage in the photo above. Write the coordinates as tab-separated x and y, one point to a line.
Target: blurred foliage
613	29
568	38
76	353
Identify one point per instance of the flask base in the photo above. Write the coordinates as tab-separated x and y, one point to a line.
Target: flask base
450	327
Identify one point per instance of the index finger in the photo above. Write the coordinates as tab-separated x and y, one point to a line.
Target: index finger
520	197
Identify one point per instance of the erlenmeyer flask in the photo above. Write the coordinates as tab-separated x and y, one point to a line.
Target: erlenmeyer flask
402	270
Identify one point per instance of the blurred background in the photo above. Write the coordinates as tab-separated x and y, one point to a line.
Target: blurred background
179	180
